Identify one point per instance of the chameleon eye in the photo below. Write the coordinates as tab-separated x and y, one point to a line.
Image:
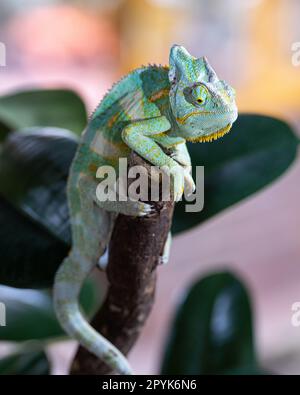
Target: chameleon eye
200	94
196	95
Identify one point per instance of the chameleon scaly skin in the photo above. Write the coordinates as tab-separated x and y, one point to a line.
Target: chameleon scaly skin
150	109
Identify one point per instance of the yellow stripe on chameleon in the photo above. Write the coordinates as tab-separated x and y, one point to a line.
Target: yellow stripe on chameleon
113	120
158	95
93	168
211	137
160	134
183	119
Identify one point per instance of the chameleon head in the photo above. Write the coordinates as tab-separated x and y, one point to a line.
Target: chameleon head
203	106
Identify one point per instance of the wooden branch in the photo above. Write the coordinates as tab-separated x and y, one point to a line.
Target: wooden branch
134	251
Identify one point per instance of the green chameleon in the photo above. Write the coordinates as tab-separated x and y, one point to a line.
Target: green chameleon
152	109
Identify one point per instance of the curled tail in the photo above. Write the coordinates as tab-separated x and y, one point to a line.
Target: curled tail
68	282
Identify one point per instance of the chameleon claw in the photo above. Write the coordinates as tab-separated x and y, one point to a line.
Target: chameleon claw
178	196
145	209
189	184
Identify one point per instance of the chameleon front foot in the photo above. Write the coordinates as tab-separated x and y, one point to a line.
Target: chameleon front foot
137	209
181	181
144	209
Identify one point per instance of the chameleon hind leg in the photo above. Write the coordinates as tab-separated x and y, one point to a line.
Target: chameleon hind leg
91	230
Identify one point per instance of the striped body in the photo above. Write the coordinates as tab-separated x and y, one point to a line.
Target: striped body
142	94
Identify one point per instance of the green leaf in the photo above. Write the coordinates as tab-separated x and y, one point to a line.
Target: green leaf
57	107
34	166
212	331
30	255
27	363
34	232
4	130
30	314
255	153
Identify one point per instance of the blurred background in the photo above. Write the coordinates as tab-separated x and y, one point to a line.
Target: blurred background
87	45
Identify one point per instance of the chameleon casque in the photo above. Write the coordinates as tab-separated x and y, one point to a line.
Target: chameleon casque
151	109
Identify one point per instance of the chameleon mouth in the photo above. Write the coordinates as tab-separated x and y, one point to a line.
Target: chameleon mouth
211	137
183	119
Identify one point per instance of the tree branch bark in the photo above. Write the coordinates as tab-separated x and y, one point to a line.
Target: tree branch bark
134	251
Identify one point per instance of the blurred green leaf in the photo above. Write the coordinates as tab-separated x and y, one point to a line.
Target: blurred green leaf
57	107
212	331
30	255
256	152
30	314
27	363
4	130
34	166
34	232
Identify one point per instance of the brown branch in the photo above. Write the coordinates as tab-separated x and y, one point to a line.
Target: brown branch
134	251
